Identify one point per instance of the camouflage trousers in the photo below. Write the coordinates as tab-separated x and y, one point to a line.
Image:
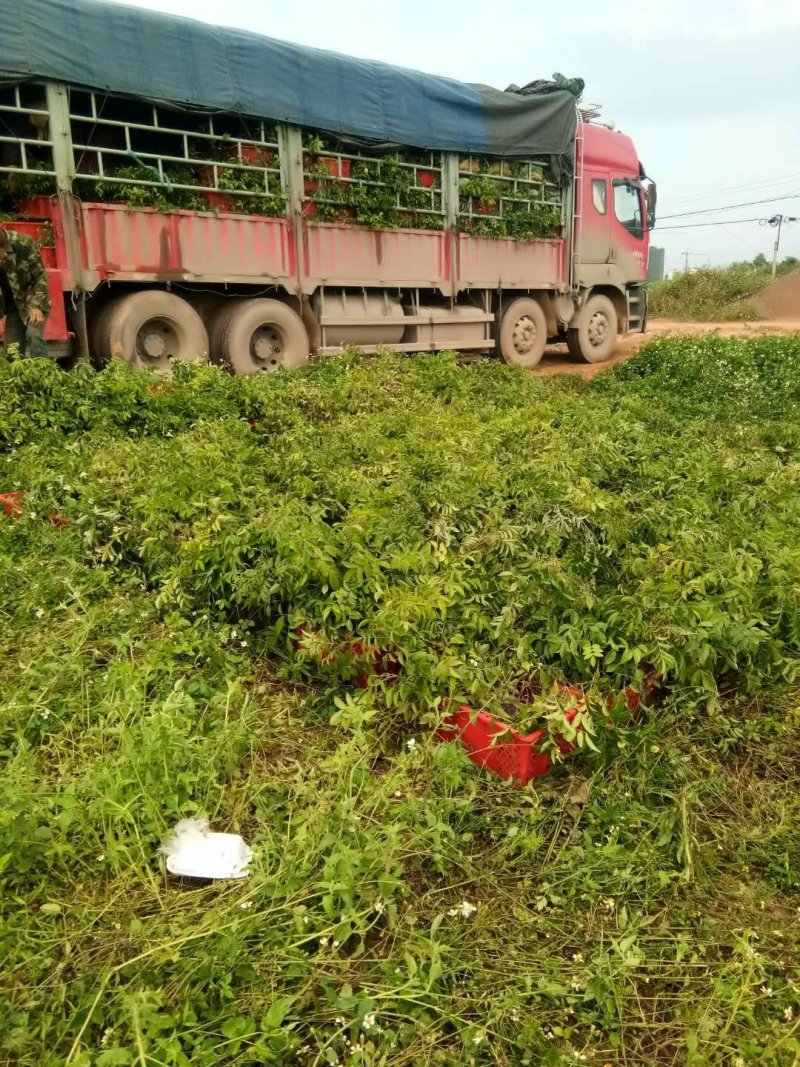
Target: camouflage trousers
23	340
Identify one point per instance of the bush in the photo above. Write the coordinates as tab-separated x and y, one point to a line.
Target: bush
710	294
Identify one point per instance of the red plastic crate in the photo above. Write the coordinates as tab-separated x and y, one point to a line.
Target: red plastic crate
12	504
251	153
494	744
36	207
30	229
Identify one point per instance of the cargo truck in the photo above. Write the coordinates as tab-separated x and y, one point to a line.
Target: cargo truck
205	193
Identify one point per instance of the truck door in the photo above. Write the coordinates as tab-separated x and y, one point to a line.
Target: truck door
629	238
595	223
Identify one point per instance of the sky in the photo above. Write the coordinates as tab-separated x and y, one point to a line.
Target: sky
708	89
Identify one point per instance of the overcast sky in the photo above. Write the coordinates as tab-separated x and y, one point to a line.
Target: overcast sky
708	89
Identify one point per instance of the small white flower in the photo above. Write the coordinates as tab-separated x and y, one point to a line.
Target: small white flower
577	957
46	714
609	903
788	1014
380	907
397	793
246	904
39	613
478	1039
369	1021
464	909
336	943
243	644
101	857
323	941
234	634
411	744
766	990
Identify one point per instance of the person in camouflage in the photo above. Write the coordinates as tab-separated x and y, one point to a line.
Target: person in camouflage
24	293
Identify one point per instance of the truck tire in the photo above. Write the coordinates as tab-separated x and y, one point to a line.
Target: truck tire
260	335
596	337
150	330
523	332
99	343
216	324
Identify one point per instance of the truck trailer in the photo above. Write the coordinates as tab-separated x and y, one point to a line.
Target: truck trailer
206	193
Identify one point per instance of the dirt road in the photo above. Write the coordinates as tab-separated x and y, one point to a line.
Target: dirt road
557	360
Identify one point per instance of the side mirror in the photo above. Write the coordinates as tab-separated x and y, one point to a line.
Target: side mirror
651	194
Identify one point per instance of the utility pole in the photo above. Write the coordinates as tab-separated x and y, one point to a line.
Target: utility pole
686	255
777	221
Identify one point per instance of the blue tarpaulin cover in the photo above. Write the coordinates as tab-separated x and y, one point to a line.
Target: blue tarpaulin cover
146	54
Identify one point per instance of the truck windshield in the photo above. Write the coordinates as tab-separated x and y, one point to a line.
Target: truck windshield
628	206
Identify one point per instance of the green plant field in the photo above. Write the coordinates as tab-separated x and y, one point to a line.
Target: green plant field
180	578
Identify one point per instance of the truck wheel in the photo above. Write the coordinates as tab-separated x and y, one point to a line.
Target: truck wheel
523	333
99	343
261	335
151	330
596	337
216	324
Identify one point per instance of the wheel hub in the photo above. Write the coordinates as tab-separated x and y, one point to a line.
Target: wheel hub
157	341
524	336
597	329
266	347
154	345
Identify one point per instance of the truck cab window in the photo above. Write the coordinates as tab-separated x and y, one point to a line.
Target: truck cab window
628	207
599	195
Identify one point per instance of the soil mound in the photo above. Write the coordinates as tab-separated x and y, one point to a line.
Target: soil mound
781	298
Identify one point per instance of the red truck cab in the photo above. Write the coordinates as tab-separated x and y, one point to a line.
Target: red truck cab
615	212
615	235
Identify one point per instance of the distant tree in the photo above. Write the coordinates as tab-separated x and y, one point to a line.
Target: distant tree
760	261
787	265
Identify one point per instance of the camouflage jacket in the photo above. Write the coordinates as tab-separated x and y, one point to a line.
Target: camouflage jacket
26	274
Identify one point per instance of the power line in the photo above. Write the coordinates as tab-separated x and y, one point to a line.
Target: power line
738	188
726	207
696	225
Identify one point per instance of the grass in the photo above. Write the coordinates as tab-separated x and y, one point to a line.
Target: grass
500	534
709	294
